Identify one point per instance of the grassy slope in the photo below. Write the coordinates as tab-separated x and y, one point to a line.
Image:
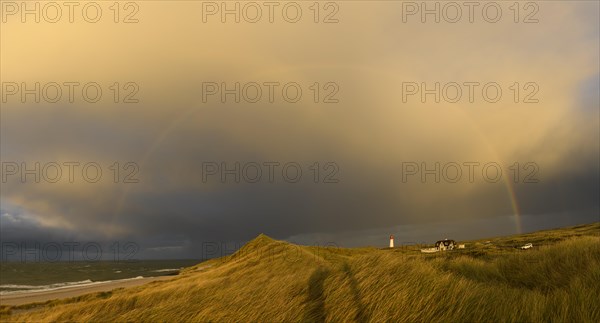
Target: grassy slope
269	280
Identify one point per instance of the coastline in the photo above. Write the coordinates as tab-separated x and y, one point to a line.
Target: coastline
74	291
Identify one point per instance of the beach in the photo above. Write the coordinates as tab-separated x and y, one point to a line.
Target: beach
74	291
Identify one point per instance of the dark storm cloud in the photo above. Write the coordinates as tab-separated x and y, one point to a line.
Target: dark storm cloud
175	208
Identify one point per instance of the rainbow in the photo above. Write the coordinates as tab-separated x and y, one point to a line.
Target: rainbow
184	115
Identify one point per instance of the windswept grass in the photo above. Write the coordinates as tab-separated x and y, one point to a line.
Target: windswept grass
268	280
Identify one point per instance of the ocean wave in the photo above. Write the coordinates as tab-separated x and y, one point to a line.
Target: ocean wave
16	289
164	270
14	286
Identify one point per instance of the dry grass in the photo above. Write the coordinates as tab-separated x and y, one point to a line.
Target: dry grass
268	280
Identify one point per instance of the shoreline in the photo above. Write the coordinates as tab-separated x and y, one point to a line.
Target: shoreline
74	291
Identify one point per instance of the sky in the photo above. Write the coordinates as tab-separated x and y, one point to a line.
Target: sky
363	136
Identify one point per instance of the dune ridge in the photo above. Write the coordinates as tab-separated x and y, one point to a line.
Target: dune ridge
271	280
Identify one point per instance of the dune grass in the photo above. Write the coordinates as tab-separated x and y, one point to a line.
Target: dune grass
269	280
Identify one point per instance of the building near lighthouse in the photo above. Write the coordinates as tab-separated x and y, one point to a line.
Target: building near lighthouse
445	244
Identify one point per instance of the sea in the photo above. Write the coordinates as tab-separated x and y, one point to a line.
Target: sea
19	277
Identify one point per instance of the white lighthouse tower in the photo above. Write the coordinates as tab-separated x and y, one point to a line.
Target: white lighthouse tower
391	241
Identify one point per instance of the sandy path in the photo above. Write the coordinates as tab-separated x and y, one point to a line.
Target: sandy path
74	291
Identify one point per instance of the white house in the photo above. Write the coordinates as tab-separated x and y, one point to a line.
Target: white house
445	244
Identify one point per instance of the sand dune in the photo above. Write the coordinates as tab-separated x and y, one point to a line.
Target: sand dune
268	280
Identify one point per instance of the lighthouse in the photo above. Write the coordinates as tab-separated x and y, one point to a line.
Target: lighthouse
391	241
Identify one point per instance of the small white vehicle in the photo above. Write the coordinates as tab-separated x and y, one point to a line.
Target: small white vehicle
527	246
